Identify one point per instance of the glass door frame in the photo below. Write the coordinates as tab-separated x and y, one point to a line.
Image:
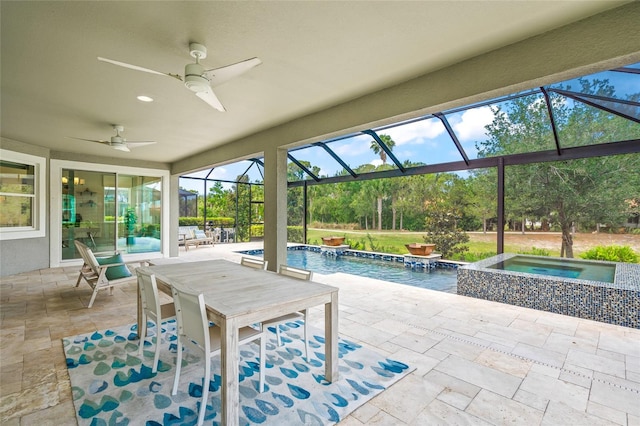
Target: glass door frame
55	206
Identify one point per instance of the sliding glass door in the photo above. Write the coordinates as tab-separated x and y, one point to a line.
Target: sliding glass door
109	211
139	205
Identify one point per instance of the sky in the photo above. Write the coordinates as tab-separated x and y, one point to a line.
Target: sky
425	141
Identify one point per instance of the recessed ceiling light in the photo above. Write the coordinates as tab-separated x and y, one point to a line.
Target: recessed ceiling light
145	98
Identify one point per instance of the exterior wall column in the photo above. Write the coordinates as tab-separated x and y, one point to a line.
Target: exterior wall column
174	215
275	207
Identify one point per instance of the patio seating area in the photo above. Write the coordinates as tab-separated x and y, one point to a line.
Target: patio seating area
477	362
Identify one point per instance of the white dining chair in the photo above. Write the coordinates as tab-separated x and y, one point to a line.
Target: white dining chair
254	263
152	310
301	274
194	331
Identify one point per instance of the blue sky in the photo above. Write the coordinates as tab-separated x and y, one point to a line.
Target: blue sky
423	141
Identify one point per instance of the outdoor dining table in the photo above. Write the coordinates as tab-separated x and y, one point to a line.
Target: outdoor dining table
238	296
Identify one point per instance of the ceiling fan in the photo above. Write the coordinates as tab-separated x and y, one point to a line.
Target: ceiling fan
117	141
196	78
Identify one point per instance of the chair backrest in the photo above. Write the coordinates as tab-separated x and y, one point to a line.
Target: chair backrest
198	234
191	319
254	263
301	274
148	291
87	256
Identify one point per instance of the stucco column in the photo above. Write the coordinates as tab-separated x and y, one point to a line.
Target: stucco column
174	214
275	207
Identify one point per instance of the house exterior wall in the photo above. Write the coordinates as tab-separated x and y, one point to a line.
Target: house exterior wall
28	254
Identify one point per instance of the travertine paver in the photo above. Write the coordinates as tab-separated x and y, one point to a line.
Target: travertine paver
487	378
497	409
556	390
440	413
595	362
561	414
476	362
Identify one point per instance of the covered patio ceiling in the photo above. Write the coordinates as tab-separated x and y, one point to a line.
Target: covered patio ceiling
623	103
316	56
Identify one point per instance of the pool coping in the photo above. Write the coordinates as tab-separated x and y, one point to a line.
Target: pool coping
388	257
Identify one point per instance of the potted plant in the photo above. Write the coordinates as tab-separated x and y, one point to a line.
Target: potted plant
130	219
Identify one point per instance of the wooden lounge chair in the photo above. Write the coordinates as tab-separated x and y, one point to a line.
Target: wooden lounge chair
103	272
198	237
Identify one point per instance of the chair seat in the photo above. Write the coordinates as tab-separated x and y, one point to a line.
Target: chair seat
284	318
245	335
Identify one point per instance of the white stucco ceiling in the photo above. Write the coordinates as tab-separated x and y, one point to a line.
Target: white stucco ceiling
315	55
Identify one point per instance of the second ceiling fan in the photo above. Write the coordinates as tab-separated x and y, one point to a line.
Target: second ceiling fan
198	79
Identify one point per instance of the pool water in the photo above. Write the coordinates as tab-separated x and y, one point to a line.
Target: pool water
435	279
562	268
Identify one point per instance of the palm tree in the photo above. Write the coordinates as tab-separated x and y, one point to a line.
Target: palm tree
377	149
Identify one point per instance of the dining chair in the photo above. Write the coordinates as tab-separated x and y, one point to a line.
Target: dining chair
301	274
194	331
254	263
152	310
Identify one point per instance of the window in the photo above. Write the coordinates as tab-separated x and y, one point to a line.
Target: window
22	192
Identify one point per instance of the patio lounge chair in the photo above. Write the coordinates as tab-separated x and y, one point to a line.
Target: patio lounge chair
193	236
198	237
103	272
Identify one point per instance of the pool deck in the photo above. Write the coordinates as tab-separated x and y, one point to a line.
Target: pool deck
477	362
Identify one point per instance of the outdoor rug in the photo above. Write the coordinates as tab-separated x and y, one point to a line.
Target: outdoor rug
111	385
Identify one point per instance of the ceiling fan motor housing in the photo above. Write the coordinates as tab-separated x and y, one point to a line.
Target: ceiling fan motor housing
193	78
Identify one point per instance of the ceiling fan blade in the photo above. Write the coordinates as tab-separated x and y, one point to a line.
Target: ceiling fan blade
220	75
209	97
88	140
136	144
137	68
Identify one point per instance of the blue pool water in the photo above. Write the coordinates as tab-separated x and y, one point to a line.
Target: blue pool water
435	279
563	268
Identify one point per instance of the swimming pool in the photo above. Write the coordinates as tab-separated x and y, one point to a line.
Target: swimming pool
434	279
600	291
564	268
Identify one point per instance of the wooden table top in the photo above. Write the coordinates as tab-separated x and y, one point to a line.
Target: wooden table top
232	290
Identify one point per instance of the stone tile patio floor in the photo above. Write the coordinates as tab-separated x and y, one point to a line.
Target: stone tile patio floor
477	362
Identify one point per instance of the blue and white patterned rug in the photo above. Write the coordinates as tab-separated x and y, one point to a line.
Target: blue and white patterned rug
111	385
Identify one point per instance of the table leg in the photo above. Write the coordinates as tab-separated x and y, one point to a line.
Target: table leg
331	338
229	389
139	311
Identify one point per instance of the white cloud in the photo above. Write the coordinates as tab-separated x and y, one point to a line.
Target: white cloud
470	125
415	133
376	162
220	173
